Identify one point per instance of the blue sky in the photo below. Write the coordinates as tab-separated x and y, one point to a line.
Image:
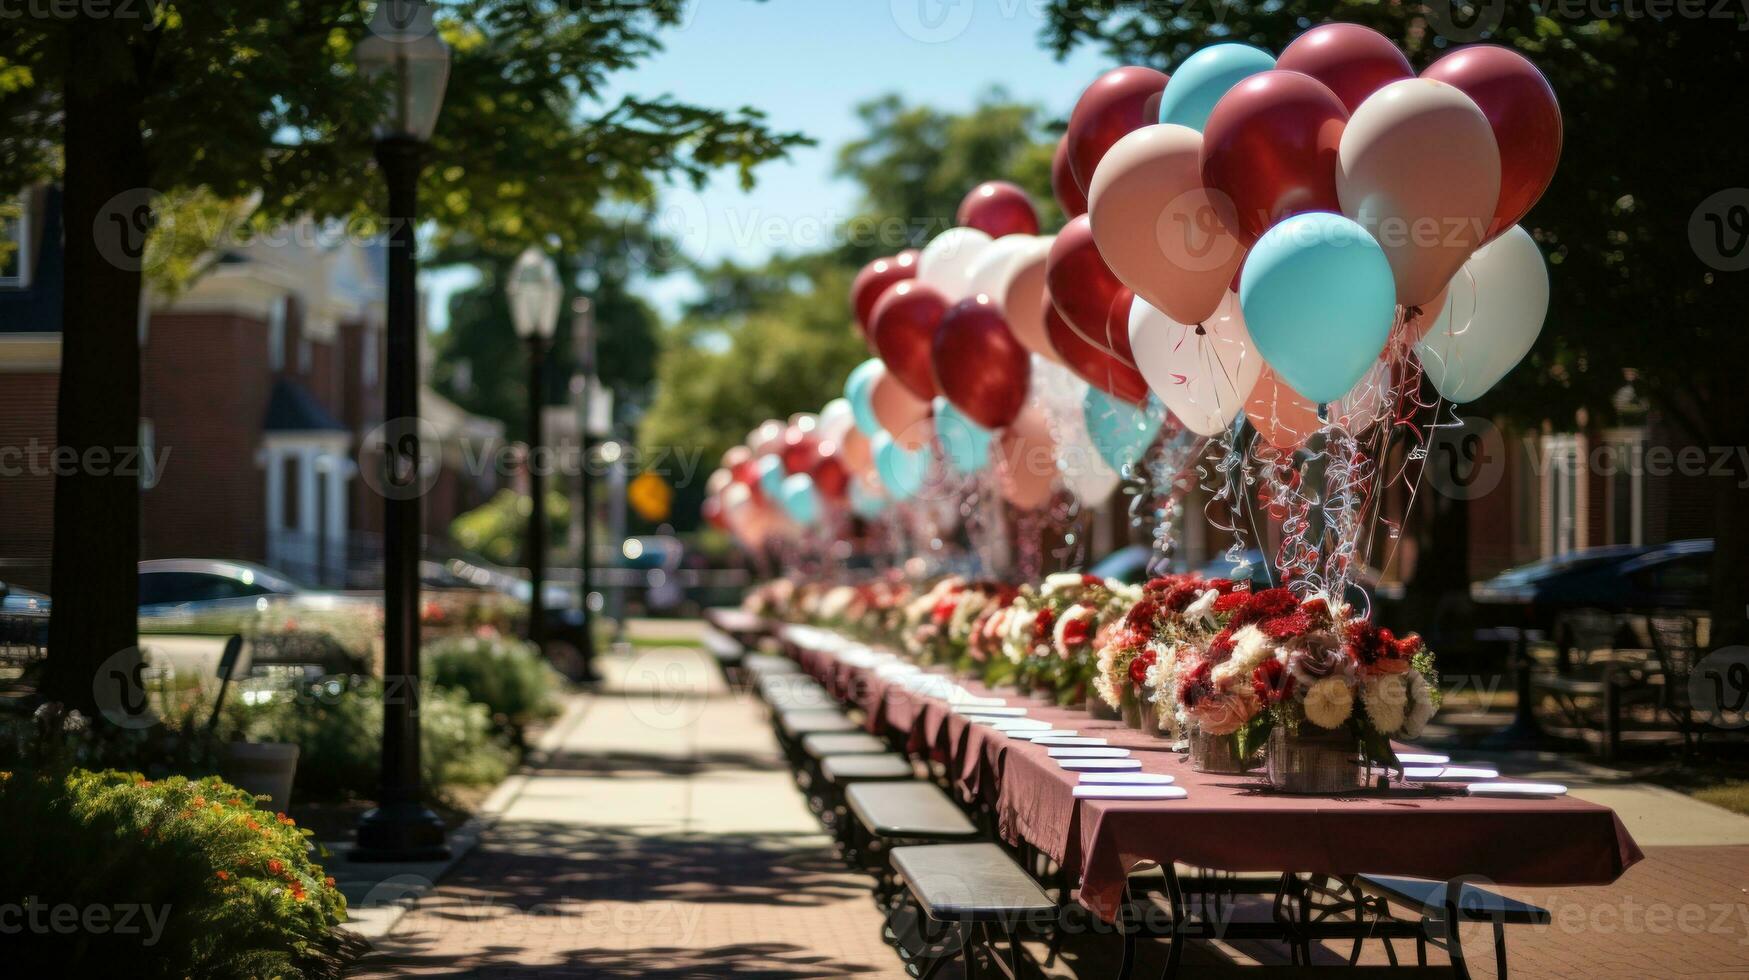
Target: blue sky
807	63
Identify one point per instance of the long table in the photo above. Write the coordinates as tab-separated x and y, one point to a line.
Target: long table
1230	823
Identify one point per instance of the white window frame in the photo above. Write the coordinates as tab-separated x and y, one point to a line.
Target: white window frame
1564	455
1629	449
21	234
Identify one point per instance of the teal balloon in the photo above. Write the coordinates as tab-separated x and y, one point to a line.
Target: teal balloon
1204	77
866	502
1318	299
858	389
800	500
771	475
965	443
1121	432
902	471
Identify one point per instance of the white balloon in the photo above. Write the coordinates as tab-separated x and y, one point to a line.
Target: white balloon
836	418
946	262
1492	316
1203	372
995	265
736	497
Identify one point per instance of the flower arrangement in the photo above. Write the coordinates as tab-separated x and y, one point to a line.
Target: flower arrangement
1051	631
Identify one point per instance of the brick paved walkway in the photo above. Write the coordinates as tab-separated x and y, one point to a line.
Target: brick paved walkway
666	840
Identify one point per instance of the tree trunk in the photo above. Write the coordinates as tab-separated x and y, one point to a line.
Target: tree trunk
93	661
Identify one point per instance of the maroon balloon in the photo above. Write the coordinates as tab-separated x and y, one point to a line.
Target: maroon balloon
875	279
1063	187
744	467
801	450
1081	285
829	474
979	366
1352	61
1091	364
1269	151
1521	107
1118	102
998	208
1117	327
903	326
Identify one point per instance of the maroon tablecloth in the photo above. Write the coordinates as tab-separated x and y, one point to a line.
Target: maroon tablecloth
1233	823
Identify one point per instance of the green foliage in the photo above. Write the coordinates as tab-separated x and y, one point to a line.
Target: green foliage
498	528
338	728
510	677
188	878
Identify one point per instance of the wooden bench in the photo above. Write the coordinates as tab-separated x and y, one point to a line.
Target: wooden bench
968	894
1441	906
842	743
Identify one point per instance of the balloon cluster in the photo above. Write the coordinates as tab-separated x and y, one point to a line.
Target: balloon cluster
1281	243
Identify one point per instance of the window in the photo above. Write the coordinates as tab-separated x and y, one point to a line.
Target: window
1625	484
276	334
15	244
367	356
1562	489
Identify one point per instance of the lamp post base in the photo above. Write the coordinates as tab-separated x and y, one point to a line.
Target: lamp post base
400	833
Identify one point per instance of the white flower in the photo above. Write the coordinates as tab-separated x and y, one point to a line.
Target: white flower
1421	706
1102	687
1203	608
1329	703
1129	595
1387	698
1060	582
1250	649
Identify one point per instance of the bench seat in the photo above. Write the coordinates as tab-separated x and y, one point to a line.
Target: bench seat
810	721
888	766
974	882
1474	904
842	743
913	810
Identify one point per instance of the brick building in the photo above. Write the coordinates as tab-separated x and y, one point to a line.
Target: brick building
260	387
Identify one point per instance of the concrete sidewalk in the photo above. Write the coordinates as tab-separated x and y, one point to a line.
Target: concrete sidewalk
663	839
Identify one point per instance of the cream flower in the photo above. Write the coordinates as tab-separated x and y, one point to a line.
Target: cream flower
1387	702
1421	706
1060	582
1250	649
1329	702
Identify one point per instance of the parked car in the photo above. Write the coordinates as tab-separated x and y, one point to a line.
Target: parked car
287	621
24	623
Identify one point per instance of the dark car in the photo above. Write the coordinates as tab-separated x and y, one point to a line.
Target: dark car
24	623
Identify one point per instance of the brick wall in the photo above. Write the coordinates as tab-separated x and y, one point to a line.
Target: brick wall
27	499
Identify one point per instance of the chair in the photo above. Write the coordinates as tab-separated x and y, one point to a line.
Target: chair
1675	642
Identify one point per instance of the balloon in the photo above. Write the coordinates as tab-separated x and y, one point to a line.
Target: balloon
902	471
873	281
964	443
771	476
1121	432
1522	111
979	366
1419	169
1063	187
904	324
858	455
1117	327
1318	298
1269	151
946	262
998	208
1023	300
718	481
1081	285
1092	365
1279	414
1156	227
866	500
1351	61
829	474
858	390
1206	76
800	500
1204	371
836	417
1117	102
1497	307
1026	461
800	450
1369	401
902	415
711	509
767	438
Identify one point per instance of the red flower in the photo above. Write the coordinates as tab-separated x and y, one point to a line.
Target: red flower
1377	650
1286	627
1141	616
1221	585
1181	596
274	867
1272	682
1266	605
1139	667
1196	685
1317	611
1092	580
1042	626
943	610
1221	647
1076	632
1230	601
223	875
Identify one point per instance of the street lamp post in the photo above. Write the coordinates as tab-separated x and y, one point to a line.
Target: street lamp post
403	52
534	291
583	337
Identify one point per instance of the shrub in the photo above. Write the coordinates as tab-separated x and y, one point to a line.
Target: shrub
508	676
114	874
338	724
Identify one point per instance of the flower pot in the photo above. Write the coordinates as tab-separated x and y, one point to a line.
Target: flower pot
1156	718
1218	754
1101	711
262	769
1314	760
1130	707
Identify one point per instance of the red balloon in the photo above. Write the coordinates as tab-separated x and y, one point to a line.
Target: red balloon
747	472
1117	327
874	280
712	512
903	326
1063	187
1081	285
998	208
1091	364
979	366
1269	151
1352	61
1521	107
830	476
1117	102
800	451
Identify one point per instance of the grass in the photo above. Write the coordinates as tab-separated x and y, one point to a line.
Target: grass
1721	782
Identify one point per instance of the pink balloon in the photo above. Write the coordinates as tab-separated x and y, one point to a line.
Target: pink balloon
1352	61
856	452
1279	414
1023	300
1027	460
902	414
1157	226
